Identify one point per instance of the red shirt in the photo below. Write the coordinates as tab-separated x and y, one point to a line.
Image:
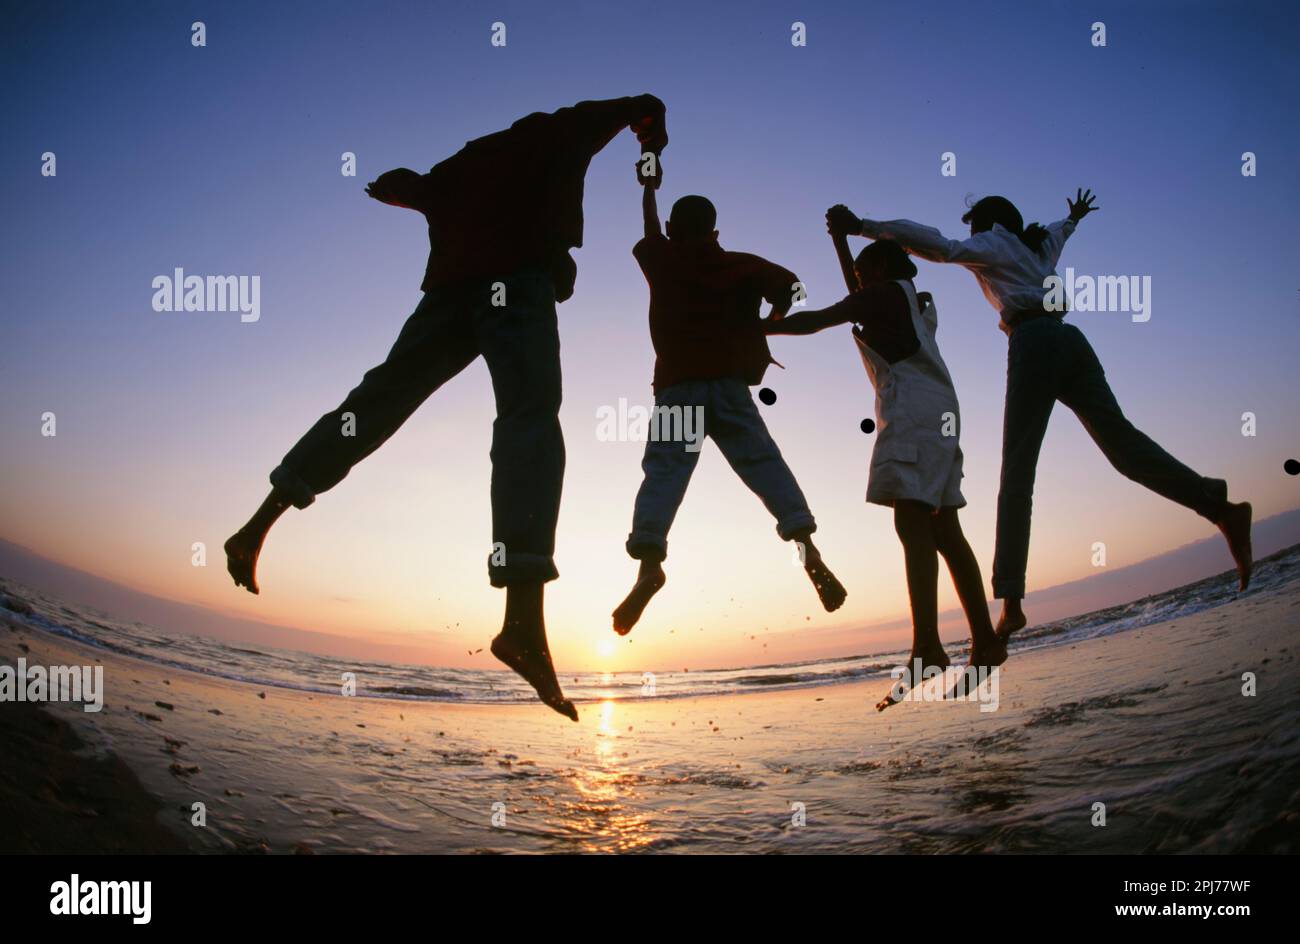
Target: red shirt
514	198
704	309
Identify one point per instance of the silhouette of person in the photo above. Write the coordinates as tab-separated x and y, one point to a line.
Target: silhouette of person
709	348
916	463
1049	360
503	213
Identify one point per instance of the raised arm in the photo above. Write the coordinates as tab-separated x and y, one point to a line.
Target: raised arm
1061	230
649	184
930	244
924	241
595	123
650	211
1057	234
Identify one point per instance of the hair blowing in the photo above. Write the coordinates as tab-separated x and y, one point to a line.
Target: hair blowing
1000	210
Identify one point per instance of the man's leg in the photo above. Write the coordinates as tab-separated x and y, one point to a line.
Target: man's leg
667	465
1136	456
735	424
435	344
520	342
1032	367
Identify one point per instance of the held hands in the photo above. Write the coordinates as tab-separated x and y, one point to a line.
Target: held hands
1081	205
841	221
650	170
651	129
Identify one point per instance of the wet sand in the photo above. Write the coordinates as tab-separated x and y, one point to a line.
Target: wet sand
1151	722
57	796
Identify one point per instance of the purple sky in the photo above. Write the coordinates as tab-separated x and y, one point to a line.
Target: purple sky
225	160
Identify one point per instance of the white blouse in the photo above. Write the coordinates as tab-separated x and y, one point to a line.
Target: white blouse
1009	272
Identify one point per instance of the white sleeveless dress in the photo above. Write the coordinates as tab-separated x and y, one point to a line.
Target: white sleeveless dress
917	456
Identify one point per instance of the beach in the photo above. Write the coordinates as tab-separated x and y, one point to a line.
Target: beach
1151	722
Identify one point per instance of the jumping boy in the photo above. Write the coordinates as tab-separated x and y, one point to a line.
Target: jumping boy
709	348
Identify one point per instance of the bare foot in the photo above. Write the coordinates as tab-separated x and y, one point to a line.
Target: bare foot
988	653
648	582
829	590
532	661
1013	620
1235	525
888	700
928	658
242	550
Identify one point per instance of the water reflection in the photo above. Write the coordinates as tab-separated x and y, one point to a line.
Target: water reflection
604	814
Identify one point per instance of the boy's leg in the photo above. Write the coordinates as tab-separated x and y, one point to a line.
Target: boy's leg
667	464
986	648
1135	455
520	342
245	546
735	424
1032	369
435	344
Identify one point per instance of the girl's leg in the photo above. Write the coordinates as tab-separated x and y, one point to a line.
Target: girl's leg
913	525
986	648
1034	364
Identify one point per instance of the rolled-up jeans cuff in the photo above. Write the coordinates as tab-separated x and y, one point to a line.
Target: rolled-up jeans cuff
791	525
1006	590
642	545
291	483
1215	501
511	568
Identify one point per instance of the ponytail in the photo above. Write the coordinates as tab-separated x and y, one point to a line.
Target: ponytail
1034	236
990	210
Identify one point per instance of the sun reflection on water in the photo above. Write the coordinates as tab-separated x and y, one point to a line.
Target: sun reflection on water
603	815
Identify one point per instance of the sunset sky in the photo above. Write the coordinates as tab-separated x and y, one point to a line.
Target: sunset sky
226	160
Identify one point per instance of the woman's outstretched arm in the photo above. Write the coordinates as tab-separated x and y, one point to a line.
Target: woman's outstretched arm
917	239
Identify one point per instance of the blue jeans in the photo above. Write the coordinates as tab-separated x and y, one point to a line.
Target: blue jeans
731	420
1049	360
451	327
